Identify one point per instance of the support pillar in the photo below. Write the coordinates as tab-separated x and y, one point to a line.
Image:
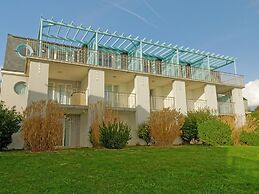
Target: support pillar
238	106
38	82
211	98
95	90
95	94
141	89
179	95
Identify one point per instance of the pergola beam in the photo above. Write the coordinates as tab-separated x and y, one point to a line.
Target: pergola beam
149	47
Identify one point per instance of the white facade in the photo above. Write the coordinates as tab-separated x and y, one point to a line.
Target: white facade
133	95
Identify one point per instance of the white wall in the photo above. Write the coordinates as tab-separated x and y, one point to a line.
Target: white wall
8	94
38	81
195	94
130	119
11	99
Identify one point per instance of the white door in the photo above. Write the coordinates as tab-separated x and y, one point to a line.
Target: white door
63	93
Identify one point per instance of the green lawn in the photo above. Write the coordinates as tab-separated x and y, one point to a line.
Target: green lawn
181	169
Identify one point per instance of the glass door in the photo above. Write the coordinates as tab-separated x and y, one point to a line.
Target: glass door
63	93
111	95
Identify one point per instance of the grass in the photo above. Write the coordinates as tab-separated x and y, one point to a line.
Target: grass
182	169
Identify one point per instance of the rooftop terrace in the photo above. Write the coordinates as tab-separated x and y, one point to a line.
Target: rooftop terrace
97	39
72	43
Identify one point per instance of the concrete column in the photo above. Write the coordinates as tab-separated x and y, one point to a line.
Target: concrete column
141	89
239	108
211	97
179	95
95	86
38	82
95	92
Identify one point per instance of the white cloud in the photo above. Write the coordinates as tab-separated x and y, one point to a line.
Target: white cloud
251	93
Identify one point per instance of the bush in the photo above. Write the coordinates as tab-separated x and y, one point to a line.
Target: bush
253	120
114	135
42	126
165	126
99	115
249	138
144	133
193	119
9	124
214	132
230	120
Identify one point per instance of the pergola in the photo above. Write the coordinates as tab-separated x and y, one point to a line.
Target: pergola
79	35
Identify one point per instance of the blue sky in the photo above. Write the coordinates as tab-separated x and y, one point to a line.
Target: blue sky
228	27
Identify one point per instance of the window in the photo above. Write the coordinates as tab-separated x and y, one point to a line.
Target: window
24	50
60	92
105	59
20	88
124	61
152	66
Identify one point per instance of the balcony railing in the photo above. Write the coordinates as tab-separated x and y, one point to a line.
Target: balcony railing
226	108
67	96
83	55
160	102
120	100
196	104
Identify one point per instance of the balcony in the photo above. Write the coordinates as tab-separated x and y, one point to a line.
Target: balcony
196	104
67	96
83	55
160	102
226	108
120	100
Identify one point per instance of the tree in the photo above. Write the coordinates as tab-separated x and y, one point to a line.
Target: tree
10	121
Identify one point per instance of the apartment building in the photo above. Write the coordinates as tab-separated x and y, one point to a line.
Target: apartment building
78	66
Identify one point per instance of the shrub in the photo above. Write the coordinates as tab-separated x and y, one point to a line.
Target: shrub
193	119
42	126
231	122
9	123
144	133
214	132
165	126
251	124
114	135
99	115
249	138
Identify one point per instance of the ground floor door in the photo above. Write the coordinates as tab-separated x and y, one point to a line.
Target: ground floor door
71	135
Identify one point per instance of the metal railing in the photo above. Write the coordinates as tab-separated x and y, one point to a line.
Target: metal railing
226	108
120	100
196	104
67	96
160	102
83	55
